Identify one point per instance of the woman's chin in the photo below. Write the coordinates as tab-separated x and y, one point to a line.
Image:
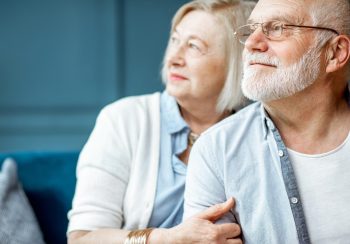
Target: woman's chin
177	84
176	89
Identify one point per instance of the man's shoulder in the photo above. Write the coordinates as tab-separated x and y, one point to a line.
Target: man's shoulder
234	135
230	143
240	121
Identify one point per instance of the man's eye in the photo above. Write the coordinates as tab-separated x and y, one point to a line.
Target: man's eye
276	27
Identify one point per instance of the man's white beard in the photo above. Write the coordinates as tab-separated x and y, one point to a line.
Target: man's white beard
281	82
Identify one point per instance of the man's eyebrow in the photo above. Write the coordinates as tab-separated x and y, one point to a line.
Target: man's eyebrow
287	19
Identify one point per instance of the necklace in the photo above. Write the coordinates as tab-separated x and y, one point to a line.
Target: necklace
192	138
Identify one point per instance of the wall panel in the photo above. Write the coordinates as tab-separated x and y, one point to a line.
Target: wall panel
62	61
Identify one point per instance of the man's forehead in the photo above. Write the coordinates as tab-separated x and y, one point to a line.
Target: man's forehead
290	11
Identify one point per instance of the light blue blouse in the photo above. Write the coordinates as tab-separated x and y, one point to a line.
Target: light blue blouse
168	205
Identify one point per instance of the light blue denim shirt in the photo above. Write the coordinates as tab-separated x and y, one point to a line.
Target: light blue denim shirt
168	205
244	157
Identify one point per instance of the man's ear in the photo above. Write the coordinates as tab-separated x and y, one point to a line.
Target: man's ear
338	53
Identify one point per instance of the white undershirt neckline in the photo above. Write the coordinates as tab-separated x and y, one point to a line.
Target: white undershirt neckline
320	155
323	181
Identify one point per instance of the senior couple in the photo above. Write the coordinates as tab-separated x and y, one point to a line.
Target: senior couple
276	171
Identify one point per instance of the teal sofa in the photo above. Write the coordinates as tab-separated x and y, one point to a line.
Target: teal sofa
48	179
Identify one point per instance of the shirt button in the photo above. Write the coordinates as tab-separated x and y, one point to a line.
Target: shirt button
280	153
294	200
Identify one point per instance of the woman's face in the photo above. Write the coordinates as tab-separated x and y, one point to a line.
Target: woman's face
196	59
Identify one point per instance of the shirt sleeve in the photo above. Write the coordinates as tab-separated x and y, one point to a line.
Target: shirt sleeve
204	181
102	176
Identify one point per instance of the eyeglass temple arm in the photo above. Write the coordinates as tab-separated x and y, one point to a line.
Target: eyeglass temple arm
315	27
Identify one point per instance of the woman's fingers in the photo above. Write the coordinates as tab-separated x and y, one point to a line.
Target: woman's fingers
234	241
229	230
215	212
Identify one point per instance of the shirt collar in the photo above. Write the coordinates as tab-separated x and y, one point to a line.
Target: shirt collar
268	123
170	114
265	120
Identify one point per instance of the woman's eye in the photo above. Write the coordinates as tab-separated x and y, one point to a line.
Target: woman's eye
194	46
174	40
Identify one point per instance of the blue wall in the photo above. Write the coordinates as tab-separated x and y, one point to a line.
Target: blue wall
62	61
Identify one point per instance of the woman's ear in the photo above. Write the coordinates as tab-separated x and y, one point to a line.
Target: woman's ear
338	53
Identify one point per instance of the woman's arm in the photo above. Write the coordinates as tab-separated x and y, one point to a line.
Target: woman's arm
200	228
102	178
98	236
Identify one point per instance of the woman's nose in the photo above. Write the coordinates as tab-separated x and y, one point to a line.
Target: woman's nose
176	56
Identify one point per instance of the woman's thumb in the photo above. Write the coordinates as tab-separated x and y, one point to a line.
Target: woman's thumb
215	212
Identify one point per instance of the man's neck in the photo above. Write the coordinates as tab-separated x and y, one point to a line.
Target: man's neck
313	121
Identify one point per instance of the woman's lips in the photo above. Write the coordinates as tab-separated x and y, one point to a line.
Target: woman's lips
177	77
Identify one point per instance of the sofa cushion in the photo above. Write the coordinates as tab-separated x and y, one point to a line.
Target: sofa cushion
17	220
48	179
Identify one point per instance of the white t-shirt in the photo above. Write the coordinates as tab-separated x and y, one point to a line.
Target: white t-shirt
324	185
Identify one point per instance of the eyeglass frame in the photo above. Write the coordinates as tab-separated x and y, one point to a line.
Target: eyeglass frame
283	26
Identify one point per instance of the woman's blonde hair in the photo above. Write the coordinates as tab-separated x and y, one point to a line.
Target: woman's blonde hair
231	14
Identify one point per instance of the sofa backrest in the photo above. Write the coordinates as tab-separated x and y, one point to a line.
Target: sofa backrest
48	179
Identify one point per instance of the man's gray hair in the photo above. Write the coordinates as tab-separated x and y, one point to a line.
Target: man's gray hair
231	14
333	14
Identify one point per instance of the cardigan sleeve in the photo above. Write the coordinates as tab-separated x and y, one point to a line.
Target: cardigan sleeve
103	173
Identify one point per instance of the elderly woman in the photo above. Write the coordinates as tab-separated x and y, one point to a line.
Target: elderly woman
131	172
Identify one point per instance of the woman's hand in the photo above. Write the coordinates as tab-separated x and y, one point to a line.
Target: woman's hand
201	228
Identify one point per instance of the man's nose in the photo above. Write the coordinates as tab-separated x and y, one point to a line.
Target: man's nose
257	41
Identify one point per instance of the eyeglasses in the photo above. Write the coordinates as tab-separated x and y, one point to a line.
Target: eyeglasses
272	30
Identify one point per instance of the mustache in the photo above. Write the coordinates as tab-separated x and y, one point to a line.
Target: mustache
261	58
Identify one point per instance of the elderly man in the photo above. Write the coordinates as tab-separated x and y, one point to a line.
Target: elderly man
286	158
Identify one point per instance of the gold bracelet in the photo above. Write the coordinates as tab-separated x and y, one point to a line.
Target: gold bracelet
138	236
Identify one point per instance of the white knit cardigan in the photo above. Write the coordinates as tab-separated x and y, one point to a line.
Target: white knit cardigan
118	167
